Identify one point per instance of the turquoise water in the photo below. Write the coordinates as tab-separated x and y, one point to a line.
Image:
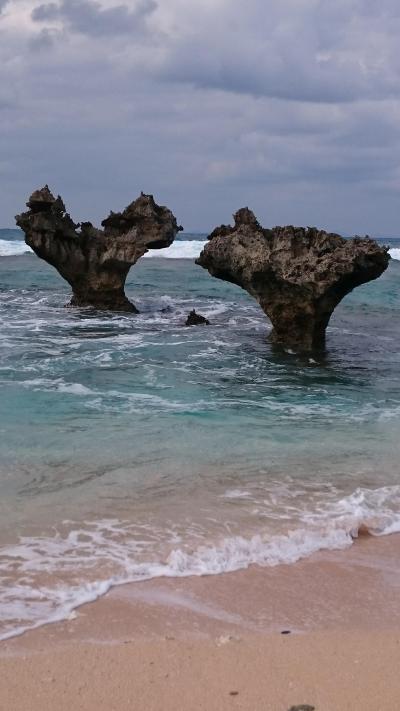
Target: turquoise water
132	446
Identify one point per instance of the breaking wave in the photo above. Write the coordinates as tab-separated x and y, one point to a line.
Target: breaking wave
182	249
13	248
124	553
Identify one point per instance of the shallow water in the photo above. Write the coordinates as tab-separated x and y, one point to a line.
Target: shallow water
132	447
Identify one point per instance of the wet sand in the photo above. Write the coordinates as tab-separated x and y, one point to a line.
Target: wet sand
218	643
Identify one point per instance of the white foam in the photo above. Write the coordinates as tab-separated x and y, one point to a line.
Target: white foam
181	249
236	494
127	552
34	605
13	248
58	384
74	389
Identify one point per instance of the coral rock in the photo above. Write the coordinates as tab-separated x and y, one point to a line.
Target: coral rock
298	275
96	262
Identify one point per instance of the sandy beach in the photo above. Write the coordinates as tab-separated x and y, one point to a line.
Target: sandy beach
324	632
328	671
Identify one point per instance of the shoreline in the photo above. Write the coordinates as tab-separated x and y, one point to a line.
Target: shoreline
215	635
157	588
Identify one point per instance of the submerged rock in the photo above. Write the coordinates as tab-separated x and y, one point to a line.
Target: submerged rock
96	262
298	275
195	319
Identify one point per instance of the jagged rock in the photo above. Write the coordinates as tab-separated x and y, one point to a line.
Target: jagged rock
195	319
297	275
96	262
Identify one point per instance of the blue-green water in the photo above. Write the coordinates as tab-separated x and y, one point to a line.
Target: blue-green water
132	446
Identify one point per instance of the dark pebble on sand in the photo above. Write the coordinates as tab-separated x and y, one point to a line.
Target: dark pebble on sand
302	707
286	632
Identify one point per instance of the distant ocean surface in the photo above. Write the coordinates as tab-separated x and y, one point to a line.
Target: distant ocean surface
186	246
133	447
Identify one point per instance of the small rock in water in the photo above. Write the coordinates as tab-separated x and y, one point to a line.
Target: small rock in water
195	319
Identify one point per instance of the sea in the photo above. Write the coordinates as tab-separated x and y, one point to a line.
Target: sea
133	447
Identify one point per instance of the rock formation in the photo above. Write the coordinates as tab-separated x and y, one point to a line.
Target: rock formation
195	319
297	275
96	262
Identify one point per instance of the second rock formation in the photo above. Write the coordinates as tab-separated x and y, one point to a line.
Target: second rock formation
297	275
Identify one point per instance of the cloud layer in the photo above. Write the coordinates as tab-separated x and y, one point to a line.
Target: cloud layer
290	106
90	18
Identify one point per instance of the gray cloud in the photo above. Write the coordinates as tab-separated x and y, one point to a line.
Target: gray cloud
291	107
90	18
44	39
303	51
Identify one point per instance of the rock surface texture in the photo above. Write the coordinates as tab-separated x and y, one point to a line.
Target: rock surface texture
297	275
96	262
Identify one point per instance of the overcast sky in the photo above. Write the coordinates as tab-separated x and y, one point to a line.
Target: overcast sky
291	107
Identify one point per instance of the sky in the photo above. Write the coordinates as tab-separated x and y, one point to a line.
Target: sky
291	107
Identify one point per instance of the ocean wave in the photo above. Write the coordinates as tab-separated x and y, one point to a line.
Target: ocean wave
13	248
116	548
122	401
181	249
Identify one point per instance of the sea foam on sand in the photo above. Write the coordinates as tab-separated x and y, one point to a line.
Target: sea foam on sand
74	563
